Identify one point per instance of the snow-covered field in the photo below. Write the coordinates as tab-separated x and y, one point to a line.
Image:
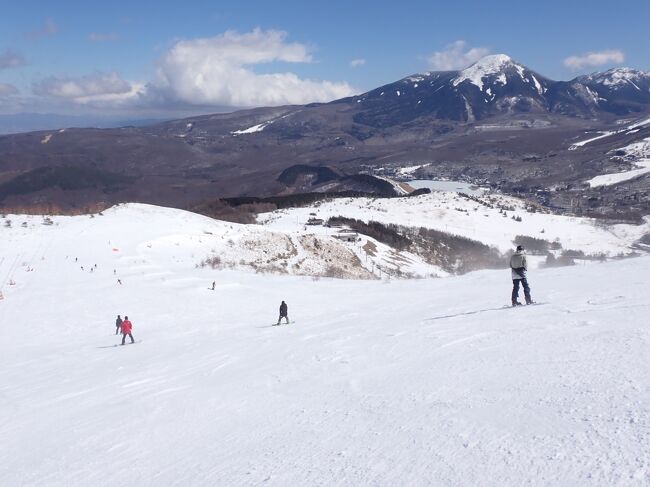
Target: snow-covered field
411	382
639	154
643	167
452	213
629	129
601	135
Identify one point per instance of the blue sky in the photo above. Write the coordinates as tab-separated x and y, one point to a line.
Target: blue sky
170	57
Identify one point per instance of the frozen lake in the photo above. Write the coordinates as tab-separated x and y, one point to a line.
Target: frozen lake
454	186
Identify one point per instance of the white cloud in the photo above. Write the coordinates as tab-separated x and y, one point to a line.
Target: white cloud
219	71
355	63
10	59
97	88
591	59
208	72
456	56
95	37
7	89
49	29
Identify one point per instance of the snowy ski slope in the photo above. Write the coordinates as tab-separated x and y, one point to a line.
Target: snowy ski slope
449	212
400	382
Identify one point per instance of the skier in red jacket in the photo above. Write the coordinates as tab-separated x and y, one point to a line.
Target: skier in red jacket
127	326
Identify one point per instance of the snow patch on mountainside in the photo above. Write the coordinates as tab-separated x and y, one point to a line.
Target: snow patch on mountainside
620	177
641	123
540	89
408	170
629	129
486	66
637	150
493	65
639	154
261	126
601	135
255	128
619	77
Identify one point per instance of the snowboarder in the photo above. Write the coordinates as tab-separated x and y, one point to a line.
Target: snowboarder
284	310
519	266
126	330
118	324
213	284
119	281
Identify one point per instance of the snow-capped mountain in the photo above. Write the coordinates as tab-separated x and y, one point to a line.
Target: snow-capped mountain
447	120
497	70
497	85
619	78
618	90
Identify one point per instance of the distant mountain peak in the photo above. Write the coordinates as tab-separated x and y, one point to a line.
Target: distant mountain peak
494	60
492	65
618	77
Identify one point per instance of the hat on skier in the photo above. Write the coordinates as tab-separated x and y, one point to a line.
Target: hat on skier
520	247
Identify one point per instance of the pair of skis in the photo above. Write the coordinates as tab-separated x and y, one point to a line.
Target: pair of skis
119	344
522	305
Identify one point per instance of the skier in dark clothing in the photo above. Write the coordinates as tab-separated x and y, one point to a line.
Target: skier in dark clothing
519	267
284	312
127	326
118	324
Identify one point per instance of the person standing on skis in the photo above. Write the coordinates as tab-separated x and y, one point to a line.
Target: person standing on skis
284	312
127	327
118	324
519	267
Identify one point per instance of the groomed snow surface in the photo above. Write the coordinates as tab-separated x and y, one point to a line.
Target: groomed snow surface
413	382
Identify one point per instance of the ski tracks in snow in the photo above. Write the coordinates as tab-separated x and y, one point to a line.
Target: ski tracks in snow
362	390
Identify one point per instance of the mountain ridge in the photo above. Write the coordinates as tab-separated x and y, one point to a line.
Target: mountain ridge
497	123
498	84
